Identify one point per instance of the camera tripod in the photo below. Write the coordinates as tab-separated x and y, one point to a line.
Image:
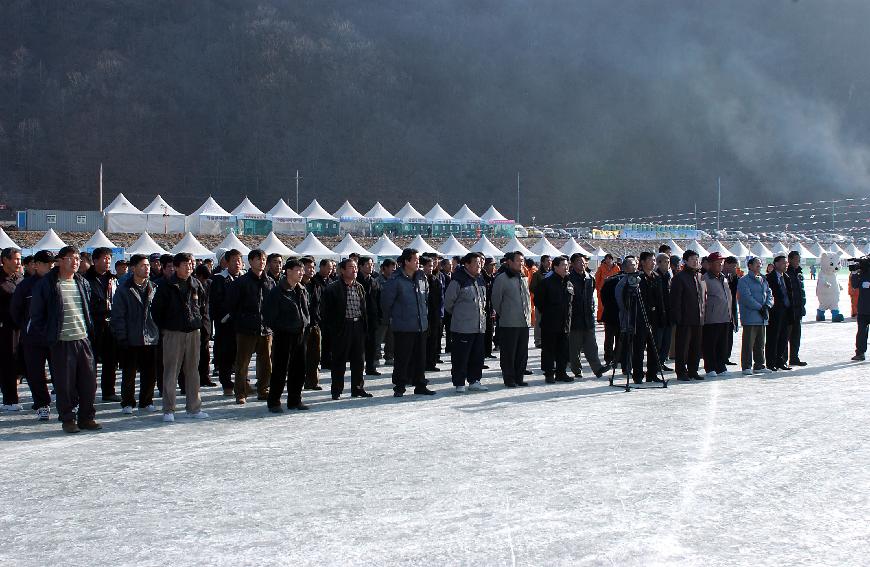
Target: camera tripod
628	341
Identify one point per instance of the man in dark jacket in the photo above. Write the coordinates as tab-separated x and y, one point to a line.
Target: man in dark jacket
10	277
34	347
373	311
640	314
136	335
274	270
320	280
60	314
203	274
404	301
798	306
729	270
435	306
224	331
488	275
345	316
312	341
610	318
285	310
582	336
663	264
553	297
178	309
781	316
245	305
103	285
687	313
860	280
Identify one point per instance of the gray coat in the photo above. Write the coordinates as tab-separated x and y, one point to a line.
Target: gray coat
511	300
404	302
465	300
717	307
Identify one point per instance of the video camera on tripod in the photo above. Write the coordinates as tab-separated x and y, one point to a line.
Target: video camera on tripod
861	264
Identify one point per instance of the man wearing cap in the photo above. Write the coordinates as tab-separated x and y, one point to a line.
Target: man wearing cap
717	317
10	277
33	346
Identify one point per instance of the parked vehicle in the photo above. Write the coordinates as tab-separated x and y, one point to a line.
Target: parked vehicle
520	231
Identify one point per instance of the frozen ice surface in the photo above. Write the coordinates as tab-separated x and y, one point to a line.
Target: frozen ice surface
733	471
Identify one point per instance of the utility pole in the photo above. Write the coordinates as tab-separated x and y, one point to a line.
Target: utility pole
833	205
518	198
718	202
101	187
298	179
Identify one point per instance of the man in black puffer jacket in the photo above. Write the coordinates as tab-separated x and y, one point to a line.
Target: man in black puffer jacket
553	297
103	286
286	312
582	336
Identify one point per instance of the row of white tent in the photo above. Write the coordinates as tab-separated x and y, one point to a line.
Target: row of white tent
159	217
384	247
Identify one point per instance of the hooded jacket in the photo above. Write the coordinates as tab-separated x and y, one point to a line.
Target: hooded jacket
465	300
132	321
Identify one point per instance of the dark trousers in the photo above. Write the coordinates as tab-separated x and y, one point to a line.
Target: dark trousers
105	354
611	338
312	357
225	353
643	342
794	340
325	349
489	335
466	358
371	350
204	358
288	367
861	337
663	337
448	339
730	348
144	360
74	379
35	357
433	341
410	360
554	353
776	348
687	350
8	366
513	353
714	343
348	346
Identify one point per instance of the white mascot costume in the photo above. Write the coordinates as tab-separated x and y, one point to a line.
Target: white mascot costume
828	289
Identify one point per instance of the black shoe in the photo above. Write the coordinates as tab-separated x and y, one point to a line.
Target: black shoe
600	372
684	378
637	380
773	368
336	396
858	357
549	380
653	379
433	369
485	367
578	375
729	363
300	406
276	409
697	377
398	394
527	372
112	398
314	388
784	367
423	391
511	385
372	373
208	384
360	394
565	379
666	369
798	363
523	384
439	361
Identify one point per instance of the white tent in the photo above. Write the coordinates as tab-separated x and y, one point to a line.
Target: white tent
191	245
817	249
6	242
378	212
720	248
282	211
452	247
98	240
515	245
161	218
346	211
273	245
209	218
232	242
348	246
437	214
492	214
247	210
315	211
676	249
852	251
543	247
802	250
759	250
573	247
122	216
285	220
487	248
410	214
385	247
144	245
466	215
311	246
779	248
835	249
50	241
740	251
696	246
867	248
421	245
599	253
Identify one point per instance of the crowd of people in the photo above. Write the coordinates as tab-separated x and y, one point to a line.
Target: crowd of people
175	322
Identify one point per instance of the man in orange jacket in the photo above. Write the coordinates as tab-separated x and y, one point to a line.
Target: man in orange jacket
607	268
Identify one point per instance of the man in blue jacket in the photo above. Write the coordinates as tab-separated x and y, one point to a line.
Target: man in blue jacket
755	300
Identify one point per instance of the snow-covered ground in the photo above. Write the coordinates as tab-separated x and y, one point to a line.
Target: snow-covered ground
733	471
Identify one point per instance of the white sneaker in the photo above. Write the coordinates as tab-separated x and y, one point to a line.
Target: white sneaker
127	410
43	413
11	407
168	417
460	389
763	371
747	372
151	408
710	374
198	415
477	387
